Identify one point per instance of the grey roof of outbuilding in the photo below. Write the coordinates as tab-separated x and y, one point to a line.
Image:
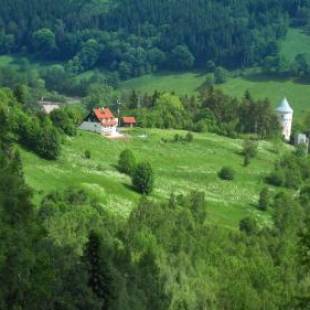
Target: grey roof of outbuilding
284	107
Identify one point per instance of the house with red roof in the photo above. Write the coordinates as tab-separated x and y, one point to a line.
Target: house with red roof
129	121
102	121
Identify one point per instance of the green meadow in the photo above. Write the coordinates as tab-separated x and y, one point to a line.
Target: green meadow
260	86
179	168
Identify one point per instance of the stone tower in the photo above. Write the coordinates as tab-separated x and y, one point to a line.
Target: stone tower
285	114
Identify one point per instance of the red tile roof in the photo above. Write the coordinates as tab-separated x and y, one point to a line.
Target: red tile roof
129	120
103	113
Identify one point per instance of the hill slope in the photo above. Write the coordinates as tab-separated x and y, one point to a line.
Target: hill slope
261	86
179	168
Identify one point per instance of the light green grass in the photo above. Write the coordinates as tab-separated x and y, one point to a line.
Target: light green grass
274	89
181	83
179	168
6	60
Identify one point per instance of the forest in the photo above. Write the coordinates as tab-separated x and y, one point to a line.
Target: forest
132	38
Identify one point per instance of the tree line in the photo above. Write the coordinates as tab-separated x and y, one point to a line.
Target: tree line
211	111
38	132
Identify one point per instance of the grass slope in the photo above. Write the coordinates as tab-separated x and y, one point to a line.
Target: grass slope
181	83
295	43
179	168
261	87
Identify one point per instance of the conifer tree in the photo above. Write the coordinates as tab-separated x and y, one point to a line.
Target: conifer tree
99	278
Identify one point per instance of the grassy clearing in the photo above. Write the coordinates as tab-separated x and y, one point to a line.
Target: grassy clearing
274	88
181	83
295	43
179	168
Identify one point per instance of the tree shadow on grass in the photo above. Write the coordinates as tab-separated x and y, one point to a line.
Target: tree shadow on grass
280	78
130	187
116	167
261	77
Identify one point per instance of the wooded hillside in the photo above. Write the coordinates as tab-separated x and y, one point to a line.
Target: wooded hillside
137	37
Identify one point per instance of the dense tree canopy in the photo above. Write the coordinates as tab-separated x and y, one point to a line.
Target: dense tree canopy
136	37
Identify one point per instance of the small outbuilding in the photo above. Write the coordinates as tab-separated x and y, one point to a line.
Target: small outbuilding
129	121
301	138
48	108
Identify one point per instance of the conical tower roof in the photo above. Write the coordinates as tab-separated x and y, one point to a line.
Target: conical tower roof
284	107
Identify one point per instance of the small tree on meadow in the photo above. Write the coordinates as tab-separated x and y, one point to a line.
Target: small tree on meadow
143	178
220	75
127	162
264	199
189	137
249	151
227	174
248	225
87	154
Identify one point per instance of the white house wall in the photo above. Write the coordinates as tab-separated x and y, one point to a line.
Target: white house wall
91	126
98	128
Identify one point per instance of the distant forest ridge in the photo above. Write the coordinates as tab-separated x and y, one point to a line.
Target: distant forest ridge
134	37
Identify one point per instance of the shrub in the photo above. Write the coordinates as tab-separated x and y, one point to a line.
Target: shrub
48	143
177	138
143	178
264	199
276	178
301	150
248	225
249	151
127	162
189	137
227	174
87	154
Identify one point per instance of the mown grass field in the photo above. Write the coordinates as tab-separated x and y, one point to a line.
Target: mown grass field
179	168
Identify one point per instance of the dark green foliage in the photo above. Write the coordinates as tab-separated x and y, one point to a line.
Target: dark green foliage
48	143
177	138
220	75
62	119
137	38
127	162
211	111
249	150
44	41
37	133
264	199
87	154
291	171
182	58
143	178
231	116
248	225
301	150
227	174
304	196
189	137
99	279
